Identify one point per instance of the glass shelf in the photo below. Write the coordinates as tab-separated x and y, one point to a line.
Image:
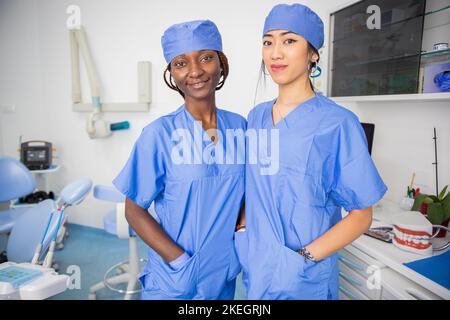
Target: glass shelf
378	60
424	55
414	97
435	53
435	11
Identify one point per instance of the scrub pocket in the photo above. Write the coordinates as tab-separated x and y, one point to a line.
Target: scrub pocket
234	266
293	279
177	283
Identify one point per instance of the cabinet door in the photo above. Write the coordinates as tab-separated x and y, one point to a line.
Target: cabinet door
397	287
376	61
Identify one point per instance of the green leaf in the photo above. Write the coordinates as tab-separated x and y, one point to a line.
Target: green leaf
429	200
434	198
435	213
442	194
446	204
418	202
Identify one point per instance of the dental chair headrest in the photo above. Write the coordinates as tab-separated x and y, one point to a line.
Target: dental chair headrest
75	192
16	179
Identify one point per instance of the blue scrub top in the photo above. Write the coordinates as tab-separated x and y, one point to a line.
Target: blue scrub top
197	205
324	166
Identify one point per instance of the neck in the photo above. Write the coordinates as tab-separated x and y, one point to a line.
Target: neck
295	92
202	110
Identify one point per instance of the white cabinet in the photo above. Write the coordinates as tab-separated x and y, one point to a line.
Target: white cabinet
397	287
362	277
373	269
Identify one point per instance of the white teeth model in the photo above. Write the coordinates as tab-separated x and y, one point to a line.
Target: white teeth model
412	232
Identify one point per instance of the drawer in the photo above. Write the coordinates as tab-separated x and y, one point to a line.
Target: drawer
359	261
397	287
349	292
342	294
360	282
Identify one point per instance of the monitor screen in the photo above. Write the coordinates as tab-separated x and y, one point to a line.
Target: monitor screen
369	129
36	155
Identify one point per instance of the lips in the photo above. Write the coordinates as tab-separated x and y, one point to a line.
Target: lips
278	67
198	84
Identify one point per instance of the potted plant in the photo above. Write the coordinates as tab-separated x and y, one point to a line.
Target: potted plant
436	208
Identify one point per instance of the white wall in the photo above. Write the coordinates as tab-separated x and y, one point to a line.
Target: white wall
35	76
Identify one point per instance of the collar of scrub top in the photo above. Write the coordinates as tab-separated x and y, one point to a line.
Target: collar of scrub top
190	36
195	123
296	18
292	117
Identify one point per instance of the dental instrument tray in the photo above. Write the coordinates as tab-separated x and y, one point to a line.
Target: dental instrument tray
18	276
30	282
381	233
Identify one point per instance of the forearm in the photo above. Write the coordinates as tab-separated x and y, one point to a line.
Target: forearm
241	218
151	232
340	235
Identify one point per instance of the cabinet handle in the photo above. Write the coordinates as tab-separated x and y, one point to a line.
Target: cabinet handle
416	294
348	293
351	264
351	279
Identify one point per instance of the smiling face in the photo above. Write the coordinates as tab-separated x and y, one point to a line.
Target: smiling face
196	73
286	56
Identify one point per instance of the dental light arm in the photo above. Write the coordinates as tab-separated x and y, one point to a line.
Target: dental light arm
75	64
81	42
95	126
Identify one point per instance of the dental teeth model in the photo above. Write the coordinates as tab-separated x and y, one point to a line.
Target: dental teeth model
412	232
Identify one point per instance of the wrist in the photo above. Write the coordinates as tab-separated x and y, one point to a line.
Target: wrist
182	258
307	254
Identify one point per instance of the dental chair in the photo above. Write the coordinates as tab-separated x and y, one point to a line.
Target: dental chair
28	274
115	223
15	181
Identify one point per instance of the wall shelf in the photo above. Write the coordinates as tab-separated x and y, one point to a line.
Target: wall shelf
424	97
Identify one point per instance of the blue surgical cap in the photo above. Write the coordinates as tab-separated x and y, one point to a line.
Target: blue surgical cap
190	36
296	18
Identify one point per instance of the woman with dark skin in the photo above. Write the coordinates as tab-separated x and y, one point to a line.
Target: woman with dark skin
191	252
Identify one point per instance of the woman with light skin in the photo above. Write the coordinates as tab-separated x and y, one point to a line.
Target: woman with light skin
192	254
293	220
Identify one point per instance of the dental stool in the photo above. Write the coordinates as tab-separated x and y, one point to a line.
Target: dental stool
115	223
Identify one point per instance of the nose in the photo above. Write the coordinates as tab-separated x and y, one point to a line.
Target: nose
277	51
195	70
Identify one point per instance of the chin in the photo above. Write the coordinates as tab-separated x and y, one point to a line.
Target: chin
281	79
201	95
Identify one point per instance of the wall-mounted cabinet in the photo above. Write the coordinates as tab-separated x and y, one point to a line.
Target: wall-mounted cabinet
399	58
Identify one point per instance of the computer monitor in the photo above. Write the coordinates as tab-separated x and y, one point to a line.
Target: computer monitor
369	129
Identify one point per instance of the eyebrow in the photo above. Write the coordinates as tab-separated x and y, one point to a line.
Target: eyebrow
201	51
283	34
